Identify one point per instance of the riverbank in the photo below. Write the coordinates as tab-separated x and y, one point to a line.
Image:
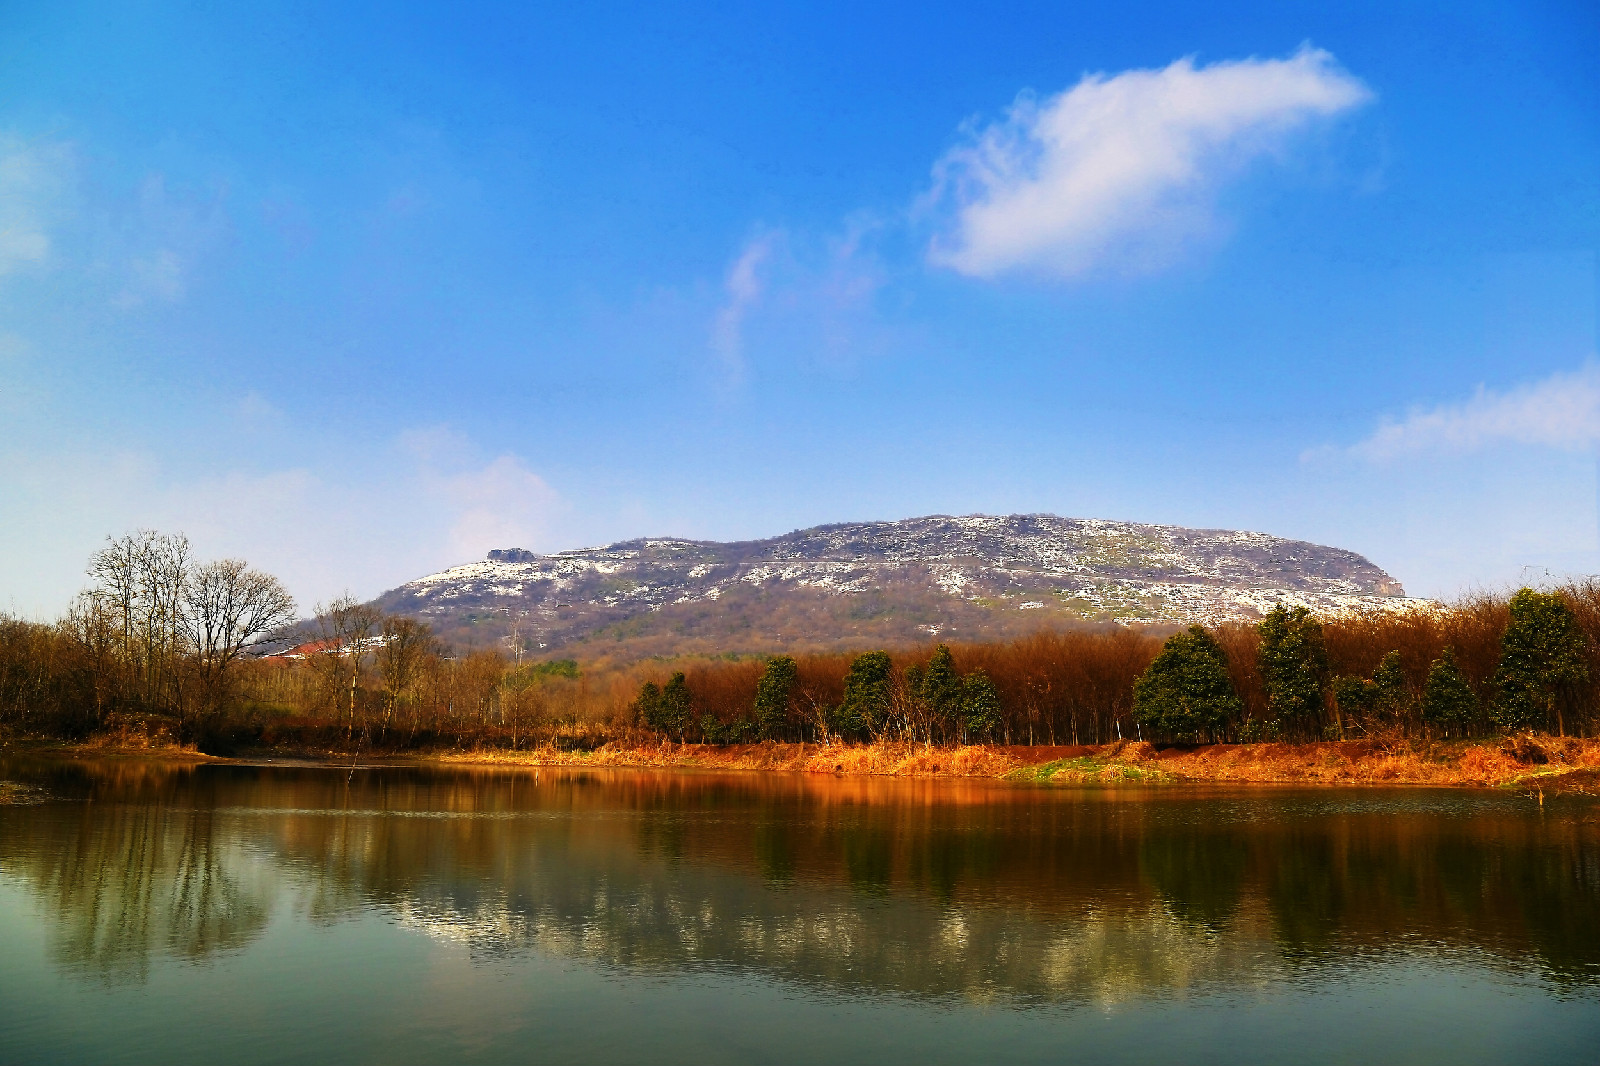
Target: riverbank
1561	763
1547	763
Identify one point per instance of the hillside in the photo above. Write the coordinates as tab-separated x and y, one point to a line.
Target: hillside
871	583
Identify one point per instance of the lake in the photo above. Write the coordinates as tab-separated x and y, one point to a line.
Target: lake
295	913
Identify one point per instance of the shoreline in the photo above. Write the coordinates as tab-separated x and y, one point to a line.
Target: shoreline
1542	763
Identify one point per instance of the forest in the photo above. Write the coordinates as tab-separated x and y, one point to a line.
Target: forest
162	647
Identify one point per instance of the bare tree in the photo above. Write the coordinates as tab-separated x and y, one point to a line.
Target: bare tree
406	646
345	631
140	582
95	626
227	606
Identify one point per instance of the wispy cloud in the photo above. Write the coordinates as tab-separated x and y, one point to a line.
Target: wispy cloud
743	288
1120	173
425	501
1562	411
137	247
163	239
34	178
500	503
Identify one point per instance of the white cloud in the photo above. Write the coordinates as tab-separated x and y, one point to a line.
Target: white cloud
502	504
743	287
34	179
1562	411
1120	173
428	501
138	249
797	297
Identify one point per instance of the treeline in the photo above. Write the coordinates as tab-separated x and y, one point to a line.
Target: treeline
156	631
213	653
160	642
1483	666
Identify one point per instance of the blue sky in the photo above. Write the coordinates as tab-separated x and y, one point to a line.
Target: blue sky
358	294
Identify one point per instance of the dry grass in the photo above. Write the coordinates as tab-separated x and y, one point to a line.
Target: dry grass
1546	763
1481	763
891	760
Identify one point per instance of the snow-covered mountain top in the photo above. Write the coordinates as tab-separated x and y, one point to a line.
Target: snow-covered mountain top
1039	544
859	584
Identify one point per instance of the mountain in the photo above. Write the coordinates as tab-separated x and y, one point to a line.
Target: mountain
862	584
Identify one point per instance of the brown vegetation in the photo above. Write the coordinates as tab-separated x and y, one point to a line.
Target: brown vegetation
1548	764
139	663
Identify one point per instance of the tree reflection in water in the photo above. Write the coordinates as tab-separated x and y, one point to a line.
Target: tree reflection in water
126	880
915	888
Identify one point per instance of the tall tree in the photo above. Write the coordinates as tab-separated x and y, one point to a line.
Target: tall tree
647	708
227	606
773	692
942	693
405	645
1448	700
979	706
1187	693
1541	659
867	693
344	642
676	705
1393	694
1293	660
140	580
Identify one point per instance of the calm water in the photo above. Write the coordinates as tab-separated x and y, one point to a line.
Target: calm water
273	914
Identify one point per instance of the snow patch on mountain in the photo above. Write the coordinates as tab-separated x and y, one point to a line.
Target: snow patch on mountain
1091	569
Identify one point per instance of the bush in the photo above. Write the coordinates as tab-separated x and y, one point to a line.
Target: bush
867	690
980	706
1541	657
773	692
1294	665
1447	700
1187	694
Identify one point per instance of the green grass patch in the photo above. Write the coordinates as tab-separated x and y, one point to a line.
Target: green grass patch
1084	770
1534	775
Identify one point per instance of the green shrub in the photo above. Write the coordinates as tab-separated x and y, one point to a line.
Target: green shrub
773	693
1541	657
1294	665
1187	694
867	686
1447	700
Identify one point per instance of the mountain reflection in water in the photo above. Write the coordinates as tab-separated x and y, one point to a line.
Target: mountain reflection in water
923	889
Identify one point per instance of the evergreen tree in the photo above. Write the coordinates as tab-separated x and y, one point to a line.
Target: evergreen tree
647	708
1187	692
866	695
941	689
1294	665
1356	698
1393	696
675	705
1541	657
979	705
714	732
772	696
1447	700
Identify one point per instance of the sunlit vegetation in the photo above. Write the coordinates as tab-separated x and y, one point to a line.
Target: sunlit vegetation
163	648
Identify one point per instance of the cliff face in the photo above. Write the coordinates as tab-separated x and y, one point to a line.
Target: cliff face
967	578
